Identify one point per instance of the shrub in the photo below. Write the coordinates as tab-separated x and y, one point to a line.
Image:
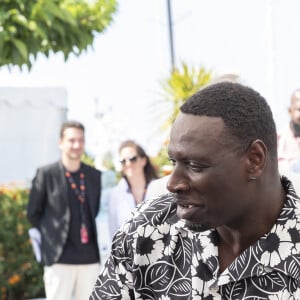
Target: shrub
21	277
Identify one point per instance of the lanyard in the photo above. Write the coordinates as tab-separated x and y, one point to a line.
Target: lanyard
80	193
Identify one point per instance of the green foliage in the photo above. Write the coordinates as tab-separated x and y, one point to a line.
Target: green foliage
161	161
87	159
183	83
21	276
107	161
28	28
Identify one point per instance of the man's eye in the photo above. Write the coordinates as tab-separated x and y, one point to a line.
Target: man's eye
196	167
172	161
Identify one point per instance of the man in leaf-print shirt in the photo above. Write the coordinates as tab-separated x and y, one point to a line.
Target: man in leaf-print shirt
230	228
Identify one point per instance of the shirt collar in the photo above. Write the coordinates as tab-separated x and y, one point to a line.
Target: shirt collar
276	249
271	252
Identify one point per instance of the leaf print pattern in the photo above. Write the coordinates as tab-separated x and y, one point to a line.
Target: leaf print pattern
155	256
159	276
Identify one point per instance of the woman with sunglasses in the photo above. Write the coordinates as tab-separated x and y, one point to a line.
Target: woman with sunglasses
137	172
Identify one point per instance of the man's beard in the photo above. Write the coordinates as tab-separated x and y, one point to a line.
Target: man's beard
295	128
197	227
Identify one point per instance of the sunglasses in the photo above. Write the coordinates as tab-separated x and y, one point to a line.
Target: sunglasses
132	159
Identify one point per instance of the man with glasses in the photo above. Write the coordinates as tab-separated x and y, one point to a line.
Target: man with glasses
230	227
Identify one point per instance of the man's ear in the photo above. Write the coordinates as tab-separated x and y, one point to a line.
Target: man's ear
257	154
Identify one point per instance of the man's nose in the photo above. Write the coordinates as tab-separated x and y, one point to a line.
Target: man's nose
77	144
177	181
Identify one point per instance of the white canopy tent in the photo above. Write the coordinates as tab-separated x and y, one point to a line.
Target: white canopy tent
30	119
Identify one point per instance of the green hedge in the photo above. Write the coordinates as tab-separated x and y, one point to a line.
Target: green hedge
21	277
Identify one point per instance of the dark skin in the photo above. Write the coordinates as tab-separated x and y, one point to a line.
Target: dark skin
214	183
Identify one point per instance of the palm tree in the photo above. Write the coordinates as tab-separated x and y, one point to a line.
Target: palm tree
182	83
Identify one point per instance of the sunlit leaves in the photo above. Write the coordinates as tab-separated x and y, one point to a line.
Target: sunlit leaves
28	28
183	83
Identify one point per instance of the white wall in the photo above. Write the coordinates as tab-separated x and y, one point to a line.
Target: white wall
30	120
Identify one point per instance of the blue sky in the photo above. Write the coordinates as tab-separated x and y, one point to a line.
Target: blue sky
255	39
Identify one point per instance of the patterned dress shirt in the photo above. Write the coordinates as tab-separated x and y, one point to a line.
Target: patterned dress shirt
155	256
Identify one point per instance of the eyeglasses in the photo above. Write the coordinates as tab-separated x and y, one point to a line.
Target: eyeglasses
132	159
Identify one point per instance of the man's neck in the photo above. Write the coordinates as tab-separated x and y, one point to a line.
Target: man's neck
263	217
71	165
137	181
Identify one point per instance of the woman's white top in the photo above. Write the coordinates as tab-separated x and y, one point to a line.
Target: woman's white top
120	205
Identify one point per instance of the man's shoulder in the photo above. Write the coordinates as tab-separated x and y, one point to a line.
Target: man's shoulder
121	186
157	187
285	133
155	212
161	202
50	167
90	169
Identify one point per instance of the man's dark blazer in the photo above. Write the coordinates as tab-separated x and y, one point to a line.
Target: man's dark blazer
48	207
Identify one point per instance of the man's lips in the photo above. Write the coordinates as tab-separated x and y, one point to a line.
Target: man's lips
186	203
187	210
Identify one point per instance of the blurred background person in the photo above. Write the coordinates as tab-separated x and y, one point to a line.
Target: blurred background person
63	203
289	139
137	172
157	187
289	143
108	181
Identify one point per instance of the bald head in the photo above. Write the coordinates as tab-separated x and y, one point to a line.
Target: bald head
295	96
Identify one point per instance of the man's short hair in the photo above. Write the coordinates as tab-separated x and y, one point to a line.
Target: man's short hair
70	124
245	113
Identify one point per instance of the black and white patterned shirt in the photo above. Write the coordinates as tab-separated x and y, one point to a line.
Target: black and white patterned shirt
154	256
